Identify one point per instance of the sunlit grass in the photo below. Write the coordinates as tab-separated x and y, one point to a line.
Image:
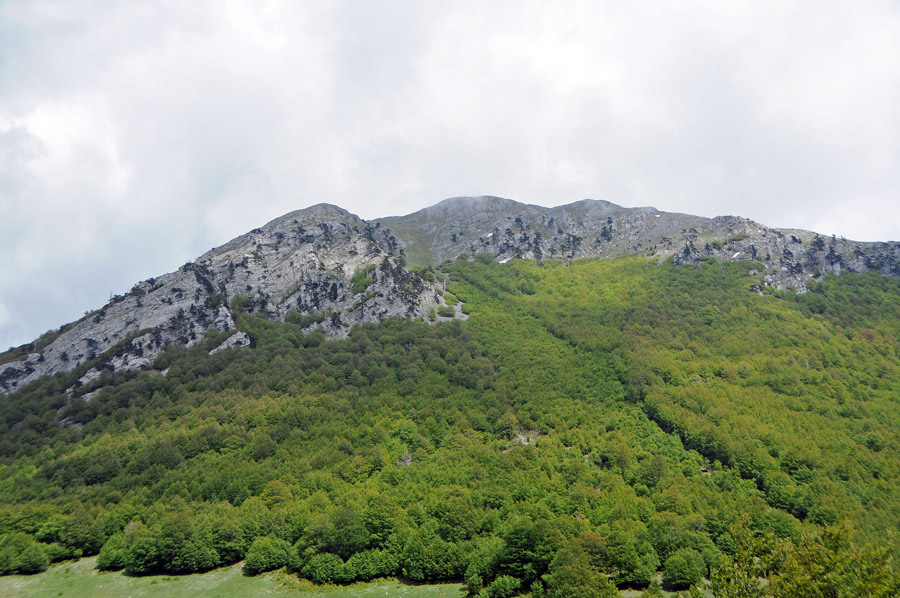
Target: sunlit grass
80	579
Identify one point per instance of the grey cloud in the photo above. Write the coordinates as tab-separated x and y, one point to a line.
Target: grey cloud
133	137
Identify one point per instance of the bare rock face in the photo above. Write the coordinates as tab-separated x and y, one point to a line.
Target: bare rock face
506	229
321	262
331	270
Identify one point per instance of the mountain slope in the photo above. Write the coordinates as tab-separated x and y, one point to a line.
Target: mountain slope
507	229
610	412
334	270
321	262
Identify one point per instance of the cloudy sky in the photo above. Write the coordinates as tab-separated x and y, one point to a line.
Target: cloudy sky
136	135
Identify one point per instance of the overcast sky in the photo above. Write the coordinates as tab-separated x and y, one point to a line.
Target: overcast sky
134	136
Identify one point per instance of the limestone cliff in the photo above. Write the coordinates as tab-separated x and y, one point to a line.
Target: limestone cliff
507	229
337	270
322	261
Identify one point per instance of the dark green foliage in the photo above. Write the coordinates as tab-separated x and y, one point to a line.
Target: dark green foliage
683	569
265	554
630	556
369	564
502	587
114	554
213	301
243	304
426	557
654	589
60	552
572	576
483	562
173	545
528	549
303	320
324	568
19	553
749	561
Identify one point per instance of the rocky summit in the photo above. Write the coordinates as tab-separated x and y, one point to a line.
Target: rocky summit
321	262
507	229
331	270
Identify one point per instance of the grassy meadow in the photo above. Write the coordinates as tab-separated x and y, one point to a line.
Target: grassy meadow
77	579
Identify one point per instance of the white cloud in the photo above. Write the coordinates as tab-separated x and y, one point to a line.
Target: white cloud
135	136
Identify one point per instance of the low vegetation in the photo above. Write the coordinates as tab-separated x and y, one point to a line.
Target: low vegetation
79	579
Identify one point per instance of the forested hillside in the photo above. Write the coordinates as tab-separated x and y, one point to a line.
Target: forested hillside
591	425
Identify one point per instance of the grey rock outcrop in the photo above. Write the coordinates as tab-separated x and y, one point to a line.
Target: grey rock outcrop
321	262
334	270
507	229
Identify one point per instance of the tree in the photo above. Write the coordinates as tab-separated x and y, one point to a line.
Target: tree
482	564
143	555
654	590
32	560
740	575
172	545
82	531
827	564
426	557
324	568
114	554
684	568
529	548
571	576
20	553
227	538
631	559
347	533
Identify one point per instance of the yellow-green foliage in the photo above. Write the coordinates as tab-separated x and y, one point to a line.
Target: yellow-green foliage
362	280
601	416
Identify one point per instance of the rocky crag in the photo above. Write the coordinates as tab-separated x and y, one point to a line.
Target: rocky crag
332	270
322	262
507	229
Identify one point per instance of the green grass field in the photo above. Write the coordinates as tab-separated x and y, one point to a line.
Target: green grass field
80	579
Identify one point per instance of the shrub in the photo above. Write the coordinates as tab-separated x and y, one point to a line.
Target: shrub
324	568
361	279
304	320
265	554
113	555
502	587
370	564
32	560
60	552
20	553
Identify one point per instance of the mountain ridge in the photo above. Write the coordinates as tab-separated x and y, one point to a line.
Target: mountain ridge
636	417
336	270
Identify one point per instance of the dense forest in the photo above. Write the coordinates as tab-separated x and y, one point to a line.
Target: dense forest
595	425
